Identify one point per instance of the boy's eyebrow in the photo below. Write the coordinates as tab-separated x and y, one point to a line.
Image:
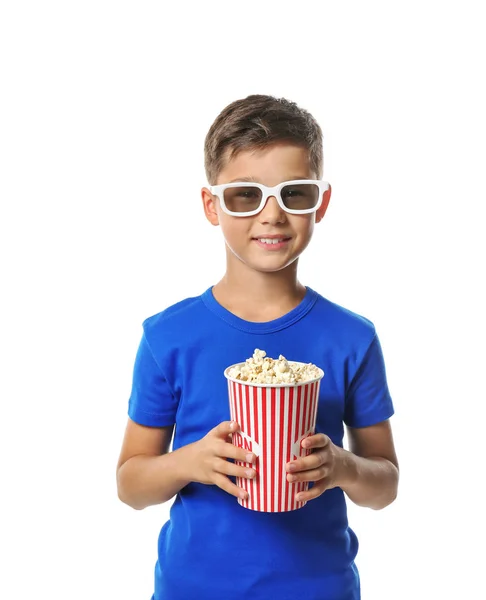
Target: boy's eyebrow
253	180
243	179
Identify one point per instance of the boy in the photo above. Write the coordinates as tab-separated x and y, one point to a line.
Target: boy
212	548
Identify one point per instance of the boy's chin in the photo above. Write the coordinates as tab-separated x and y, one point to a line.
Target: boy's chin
273	266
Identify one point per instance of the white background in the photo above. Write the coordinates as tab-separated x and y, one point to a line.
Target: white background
104	109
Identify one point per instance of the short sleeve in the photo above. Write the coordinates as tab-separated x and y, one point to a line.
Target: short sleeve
368	399
152	402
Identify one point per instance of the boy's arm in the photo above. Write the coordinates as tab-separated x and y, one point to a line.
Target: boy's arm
147	473
368	473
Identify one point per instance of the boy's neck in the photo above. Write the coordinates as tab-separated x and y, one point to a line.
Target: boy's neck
260	297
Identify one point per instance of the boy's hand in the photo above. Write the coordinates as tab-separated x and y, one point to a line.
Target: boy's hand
210	464
324	466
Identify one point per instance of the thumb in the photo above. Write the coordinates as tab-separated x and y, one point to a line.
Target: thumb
225	428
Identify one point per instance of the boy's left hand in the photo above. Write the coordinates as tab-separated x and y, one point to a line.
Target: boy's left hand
323	466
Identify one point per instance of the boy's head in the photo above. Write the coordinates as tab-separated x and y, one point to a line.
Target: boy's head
258	122
263	159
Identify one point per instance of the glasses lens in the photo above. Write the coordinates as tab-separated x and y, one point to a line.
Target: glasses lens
301	196
242	199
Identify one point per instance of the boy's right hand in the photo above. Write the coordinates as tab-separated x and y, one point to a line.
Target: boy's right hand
209	460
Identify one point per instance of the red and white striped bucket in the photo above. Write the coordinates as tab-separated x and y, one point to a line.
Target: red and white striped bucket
273	419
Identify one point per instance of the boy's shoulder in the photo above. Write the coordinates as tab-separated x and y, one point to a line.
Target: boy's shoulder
180	311
331	318
343	319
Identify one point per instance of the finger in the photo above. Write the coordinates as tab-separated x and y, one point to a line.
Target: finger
313	461
229	468
228	486
314	492
318	440
312	475
225	428
228	450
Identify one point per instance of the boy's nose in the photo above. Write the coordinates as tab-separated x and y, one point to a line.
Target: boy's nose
271	212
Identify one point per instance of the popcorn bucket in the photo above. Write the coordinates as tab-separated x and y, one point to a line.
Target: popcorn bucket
273	419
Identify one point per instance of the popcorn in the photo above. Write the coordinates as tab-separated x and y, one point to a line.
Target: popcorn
262	369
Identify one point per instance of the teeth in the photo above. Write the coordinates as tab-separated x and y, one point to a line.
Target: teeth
271	241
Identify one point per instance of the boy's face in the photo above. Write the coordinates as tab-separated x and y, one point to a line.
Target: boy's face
271	166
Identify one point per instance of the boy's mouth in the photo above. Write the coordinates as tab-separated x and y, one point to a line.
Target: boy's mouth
272	242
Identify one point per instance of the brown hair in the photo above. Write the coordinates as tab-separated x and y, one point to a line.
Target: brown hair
256	122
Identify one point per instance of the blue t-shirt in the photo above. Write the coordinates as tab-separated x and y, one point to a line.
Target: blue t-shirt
212	548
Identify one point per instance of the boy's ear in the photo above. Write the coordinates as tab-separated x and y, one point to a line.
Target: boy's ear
321	211
209	206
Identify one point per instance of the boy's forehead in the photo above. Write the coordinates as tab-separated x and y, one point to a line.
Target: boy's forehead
270	166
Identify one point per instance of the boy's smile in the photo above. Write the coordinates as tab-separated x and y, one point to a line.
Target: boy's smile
272	239
272	242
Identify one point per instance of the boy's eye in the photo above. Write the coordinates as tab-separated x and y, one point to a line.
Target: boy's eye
292	193
300	196
242	199
249	194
